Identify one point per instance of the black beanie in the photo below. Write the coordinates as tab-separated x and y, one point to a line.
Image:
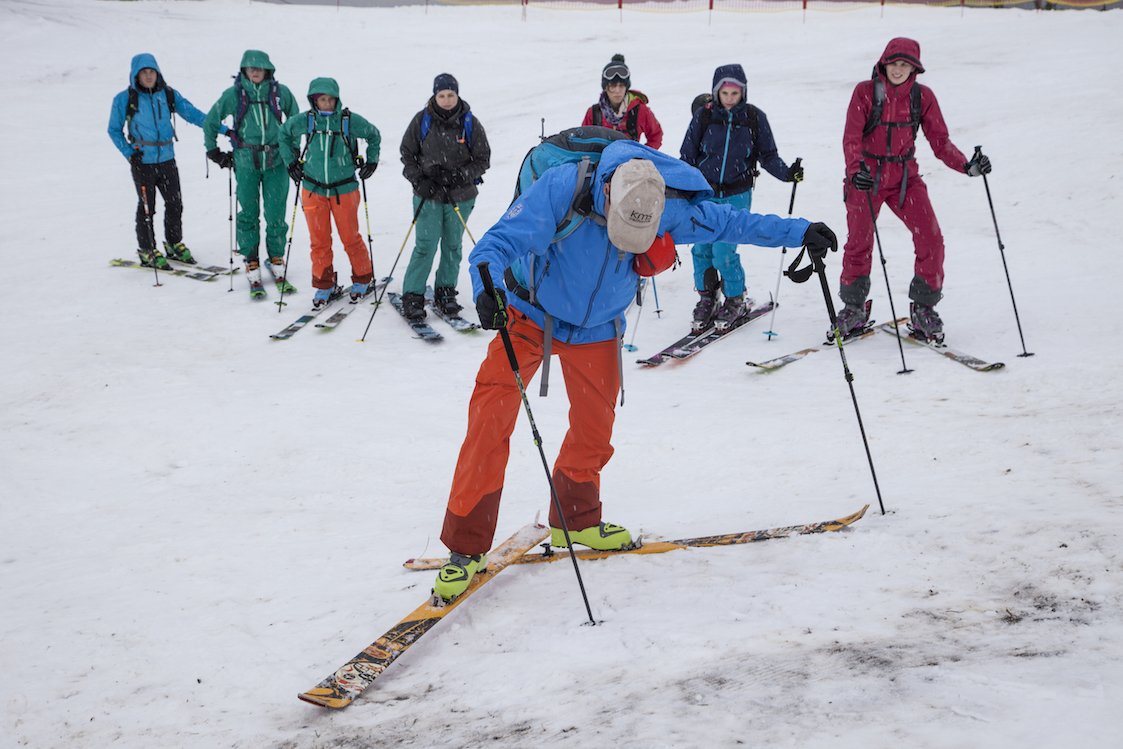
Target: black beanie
445	82
615	71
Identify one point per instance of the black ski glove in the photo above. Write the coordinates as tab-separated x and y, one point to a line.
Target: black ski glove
818	239
367	169
296	172
978	165
491	317
427	189
136	159
224	159
862	180
795	173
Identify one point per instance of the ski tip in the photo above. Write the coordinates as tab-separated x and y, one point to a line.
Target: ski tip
771	334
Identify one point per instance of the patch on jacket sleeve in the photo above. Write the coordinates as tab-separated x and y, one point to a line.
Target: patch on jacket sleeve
516	209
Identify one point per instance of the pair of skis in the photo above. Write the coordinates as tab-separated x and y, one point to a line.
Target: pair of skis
967	360
692	343
339	312
349	681
178	269
424	330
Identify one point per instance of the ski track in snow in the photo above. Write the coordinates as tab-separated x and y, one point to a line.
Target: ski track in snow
197	523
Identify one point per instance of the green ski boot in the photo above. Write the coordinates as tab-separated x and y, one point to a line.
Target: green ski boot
277	268
454	578
603	537
150	258
179	252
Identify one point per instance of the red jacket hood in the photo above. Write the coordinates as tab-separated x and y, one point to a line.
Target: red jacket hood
901	48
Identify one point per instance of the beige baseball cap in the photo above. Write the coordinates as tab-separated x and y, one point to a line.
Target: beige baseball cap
637	194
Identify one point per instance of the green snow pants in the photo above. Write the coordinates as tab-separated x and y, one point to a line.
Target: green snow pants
437	222
253	185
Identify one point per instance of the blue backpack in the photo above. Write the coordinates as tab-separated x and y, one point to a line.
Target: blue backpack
466	125
578	145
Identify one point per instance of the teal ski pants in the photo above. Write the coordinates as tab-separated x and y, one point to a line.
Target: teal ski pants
437	224
255	185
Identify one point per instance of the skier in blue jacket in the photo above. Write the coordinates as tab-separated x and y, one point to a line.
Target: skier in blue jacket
726	139
141	125
568	297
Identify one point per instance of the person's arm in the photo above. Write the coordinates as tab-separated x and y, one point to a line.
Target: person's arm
650	127
588	117
362	128
187	110
936	131
528	226
410	150
709	222
861	101
117	124
766	151
213	123
481	153
691	141
289	104
290	139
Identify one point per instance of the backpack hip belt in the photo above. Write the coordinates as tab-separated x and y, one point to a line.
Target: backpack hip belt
158	143
904	160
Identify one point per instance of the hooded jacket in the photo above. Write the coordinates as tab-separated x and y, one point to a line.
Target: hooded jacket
896	143
260	127
719	141
583	281
647	126
329	154
151	128
445	149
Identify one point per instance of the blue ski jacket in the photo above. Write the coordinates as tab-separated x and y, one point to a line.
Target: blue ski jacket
151	128
583	281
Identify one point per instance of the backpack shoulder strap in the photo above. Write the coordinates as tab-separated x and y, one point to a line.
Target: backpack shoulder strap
598	118
275	100
346	128
581	206
243	105
426	123
467	122
633	123
170	93
914	107
877	106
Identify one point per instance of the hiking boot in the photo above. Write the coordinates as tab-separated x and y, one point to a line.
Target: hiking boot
603	537
444	299
321	298
850	320
179	251
455	576
925	323
150	258
732	310
704	311
358	291
413	307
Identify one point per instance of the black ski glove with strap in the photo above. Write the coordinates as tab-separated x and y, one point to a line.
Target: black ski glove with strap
492	315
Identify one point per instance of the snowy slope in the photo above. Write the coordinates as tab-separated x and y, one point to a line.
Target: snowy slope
196	522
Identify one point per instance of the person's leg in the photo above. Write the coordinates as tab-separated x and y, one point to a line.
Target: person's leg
317	212
248	191
928	241
345	211
427	234
592	382
477	484
452	244
167	180
145	175
857	253
275	193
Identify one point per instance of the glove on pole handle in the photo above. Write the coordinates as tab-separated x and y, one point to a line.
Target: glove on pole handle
888	290
1002	253
821	270
780	273
288	247
151	231
378	301
489	288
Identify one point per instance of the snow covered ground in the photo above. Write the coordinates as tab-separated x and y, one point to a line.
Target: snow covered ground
197	523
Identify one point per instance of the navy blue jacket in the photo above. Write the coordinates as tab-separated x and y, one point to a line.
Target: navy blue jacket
585	282
722	150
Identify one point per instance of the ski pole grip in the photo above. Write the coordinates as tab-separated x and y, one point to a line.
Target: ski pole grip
978	150
799	160
489	289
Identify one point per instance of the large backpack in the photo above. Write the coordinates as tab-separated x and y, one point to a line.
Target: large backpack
874	118
577	145
244	101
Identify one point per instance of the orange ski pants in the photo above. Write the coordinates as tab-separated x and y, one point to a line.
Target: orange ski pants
592	382
319	211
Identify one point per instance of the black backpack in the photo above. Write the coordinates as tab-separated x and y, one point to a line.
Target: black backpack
131	108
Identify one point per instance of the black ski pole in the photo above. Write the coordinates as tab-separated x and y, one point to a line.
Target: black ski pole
655	292
288	249
884	271
230	219
378	301
1002	252
489	289
780	273
370	242
821	270
151	231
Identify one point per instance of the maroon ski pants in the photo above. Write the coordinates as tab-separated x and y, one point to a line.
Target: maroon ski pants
916	213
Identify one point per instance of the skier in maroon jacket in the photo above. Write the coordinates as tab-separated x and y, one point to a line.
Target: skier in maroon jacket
879	144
